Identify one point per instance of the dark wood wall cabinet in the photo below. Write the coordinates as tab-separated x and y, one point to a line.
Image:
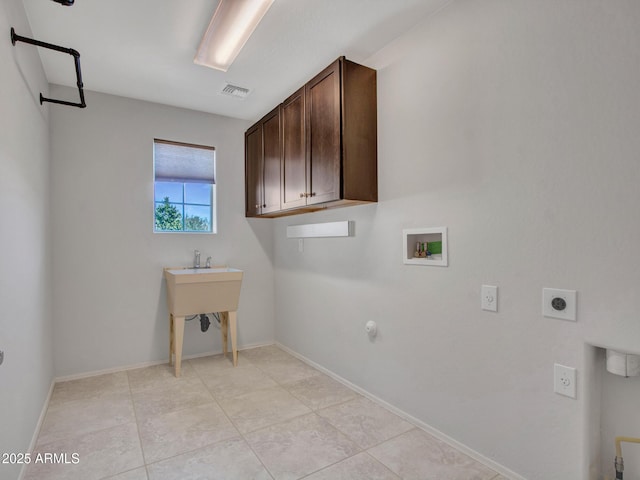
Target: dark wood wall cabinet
262	165
318	149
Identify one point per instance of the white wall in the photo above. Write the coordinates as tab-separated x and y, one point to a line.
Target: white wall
109	295
25	254
514	124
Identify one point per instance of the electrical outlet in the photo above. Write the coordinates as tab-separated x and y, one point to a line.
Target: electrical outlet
564	380
558	303
489	298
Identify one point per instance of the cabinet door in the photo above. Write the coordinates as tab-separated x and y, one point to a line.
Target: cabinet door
324	147
271	138
293	185
253	164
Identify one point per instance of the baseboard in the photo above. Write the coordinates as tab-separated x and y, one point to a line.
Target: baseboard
124	368
95	373
36	432
502	470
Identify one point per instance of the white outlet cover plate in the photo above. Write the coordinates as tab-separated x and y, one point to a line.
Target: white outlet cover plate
564	380
489	298
569	296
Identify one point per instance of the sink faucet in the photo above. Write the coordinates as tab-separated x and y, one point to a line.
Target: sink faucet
208	264
196	259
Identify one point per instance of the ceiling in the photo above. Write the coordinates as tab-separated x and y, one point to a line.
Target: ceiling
144	49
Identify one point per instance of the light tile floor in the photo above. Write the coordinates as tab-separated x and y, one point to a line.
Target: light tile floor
272	417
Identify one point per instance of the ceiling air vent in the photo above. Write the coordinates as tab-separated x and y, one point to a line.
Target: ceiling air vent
235	91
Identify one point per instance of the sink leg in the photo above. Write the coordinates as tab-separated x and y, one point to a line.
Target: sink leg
171	340
224	328
178	326
234	340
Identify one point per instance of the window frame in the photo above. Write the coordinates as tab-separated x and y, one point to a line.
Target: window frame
181	206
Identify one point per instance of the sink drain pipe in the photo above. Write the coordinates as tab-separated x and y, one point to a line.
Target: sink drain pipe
204	320
619	463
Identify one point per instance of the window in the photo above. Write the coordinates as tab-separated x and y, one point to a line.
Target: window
184	187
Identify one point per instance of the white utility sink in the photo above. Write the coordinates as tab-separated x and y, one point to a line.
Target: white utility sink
191	291
202	290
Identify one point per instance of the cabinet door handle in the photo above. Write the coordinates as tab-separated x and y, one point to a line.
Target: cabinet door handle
313	194
257	206
302	195
264	206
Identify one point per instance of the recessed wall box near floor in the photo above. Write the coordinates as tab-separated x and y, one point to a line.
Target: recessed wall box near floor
425	246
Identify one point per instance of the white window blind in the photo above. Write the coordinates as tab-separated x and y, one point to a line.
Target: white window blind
180	162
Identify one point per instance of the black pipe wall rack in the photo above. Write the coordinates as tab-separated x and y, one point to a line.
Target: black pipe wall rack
76	57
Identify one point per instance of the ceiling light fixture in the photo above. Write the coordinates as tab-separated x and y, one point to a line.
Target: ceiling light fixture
231	26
